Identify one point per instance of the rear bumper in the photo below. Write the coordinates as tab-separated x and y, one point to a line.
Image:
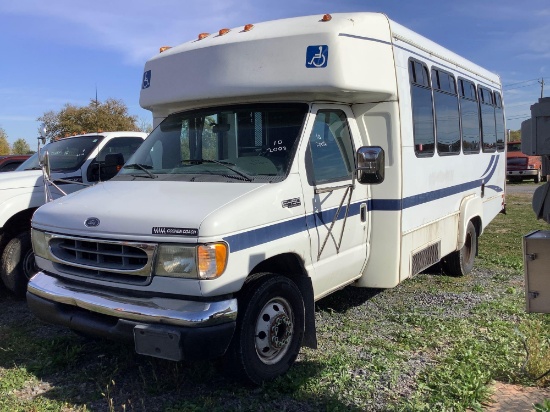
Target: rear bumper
162	327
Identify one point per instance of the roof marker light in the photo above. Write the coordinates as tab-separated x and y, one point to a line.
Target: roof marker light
326	17
164	48
203	35
223	31
248	27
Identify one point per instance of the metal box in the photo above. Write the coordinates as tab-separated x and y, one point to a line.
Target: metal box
536	263
535	132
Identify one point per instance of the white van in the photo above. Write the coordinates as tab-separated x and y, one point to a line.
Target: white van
83	159
290	158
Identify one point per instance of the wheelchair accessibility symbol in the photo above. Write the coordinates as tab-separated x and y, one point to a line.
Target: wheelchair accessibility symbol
146	79
316	56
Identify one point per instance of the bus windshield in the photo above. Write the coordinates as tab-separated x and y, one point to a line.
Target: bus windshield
229	143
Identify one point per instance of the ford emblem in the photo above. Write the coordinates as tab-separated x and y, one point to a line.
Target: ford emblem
92	222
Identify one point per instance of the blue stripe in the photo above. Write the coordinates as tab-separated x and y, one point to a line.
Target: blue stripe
297	225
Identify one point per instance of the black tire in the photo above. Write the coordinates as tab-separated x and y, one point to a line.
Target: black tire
18	264
269	331
461	262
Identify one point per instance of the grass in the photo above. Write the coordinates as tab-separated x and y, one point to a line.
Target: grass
432	343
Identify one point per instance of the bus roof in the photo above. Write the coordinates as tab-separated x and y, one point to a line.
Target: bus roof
348	58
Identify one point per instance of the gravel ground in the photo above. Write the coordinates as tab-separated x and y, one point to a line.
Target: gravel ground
387	310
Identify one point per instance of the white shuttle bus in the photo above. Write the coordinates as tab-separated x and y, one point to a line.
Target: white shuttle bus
290	158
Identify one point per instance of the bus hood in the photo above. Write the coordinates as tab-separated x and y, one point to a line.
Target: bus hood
181	211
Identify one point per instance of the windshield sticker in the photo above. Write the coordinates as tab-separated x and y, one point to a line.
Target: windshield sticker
316	56
174	231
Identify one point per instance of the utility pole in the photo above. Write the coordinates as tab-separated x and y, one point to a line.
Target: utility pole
541	81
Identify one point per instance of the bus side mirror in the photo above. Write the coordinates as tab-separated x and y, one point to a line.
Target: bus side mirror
370	165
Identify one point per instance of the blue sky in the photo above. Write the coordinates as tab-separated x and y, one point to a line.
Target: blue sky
59	51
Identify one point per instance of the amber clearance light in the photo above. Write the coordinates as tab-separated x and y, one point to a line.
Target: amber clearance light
203	35
326	17
248	27
223	32
164	48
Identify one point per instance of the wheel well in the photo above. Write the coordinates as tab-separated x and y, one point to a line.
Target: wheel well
287	264
17	223
292	266
476	220
477	224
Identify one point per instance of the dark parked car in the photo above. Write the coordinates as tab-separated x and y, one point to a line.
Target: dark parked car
11	162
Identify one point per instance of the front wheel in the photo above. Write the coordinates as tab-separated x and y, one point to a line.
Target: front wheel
18	264
269	332
461	262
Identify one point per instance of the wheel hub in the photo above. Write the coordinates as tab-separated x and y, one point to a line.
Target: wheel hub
274	330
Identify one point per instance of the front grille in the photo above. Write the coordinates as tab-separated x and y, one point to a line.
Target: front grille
102	259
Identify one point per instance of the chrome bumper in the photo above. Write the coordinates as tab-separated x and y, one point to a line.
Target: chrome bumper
155	310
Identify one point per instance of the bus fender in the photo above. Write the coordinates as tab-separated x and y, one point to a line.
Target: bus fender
470	207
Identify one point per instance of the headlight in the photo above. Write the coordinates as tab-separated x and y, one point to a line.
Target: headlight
177	261
39	243
201	262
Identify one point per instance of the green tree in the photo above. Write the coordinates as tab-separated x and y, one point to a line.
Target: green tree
20	146
4	145
111	115
515	135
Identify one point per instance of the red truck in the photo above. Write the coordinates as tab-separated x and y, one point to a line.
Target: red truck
520	166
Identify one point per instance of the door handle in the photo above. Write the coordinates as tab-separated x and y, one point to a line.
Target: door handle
363	212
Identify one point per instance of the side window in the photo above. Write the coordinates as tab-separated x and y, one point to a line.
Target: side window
499	119
447	123
469	115
422	112
488	126
331	148
126	146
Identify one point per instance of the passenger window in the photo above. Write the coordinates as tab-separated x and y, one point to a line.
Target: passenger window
488	125
447	123
469	113
499	119
331	148
422	112
126	146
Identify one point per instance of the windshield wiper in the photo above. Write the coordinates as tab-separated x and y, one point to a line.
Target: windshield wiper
141	167
224	164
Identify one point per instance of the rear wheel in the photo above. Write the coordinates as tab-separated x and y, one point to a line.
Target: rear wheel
269	332
461	262
18	264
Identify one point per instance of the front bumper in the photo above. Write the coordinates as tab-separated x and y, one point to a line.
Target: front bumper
163	327
525	172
